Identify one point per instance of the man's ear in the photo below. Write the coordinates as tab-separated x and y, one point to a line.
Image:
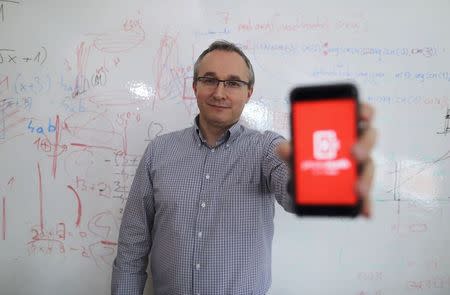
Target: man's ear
194	87
249	93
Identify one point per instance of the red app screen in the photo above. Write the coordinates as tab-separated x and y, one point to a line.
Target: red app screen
324	132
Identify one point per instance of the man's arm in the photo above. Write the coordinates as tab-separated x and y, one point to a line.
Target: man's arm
276	171
129	270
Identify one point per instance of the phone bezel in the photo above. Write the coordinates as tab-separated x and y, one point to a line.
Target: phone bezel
314	93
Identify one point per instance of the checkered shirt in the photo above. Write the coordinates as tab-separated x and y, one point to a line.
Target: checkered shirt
203	215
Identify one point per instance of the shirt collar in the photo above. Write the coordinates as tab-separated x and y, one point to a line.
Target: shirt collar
229	136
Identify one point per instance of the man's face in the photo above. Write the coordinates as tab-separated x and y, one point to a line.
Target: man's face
221	107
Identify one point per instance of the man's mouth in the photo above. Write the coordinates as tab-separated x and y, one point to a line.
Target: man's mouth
218	106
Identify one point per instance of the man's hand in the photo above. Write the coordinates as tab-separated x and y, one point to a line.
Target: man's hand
362	153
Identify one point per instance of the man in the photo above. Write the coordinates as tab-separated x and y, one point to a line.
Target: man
202	201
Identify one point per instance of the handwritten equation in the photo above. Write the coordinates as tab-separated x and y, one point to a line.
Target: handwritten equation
10	56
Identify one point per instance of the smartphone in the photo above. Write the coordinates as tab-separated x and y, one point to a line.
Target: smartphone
324	127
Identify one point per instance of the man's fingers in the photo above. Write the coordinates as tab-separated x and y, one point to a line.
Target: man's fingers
362	149
364	186
366	112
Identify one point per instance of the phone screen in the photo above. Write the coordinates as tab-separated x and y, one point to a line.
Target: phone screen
324	132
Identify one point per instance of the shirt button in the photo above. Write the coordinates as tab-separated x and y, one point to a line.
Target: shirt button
212	150
203	204
200	234
197	266
207	176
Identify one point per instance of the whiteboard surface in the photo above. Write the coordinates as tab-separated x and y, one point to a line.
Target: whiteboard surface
85	85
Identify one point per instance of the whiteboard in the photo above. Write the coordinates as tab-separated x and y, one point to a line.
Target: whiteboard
85	85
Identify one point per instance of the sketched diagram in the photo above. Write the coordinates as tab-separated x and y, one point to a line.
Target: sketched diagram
409	180
446	123
173	77
105	227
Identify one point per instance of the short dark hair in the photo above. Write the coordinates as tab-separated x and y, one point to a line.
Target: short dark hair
226	46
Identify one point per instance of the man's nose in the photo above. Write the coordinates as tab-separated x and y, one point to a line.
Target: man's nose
220	89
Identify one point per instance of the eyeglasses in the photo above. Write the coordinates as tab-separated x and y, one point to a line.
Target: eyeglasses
211	83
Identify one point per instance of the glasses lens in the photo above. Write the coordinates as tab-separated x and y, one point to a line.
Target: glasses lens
208	82
234	84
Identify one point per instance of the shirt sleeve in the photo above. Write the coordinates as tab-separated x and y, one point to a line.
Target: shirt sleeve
276	171
129	273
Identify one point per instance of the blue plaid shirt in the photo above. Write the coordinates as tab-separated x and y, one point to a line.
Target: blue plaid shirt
204	214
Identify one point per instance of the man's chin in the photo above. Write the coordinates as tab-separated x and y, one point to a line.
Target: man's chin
220	122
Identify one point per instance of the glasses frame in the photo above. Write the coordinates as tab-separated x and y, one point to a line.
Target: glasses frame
225	85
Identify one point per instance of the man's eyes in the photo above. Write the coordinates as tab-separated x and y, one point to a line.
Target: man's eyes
233	83
210	81
215	82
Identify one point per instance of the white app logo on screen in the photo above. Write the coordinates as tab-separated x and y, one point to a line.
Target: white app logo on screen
325	145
